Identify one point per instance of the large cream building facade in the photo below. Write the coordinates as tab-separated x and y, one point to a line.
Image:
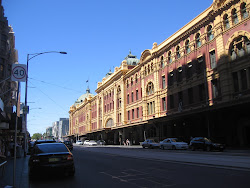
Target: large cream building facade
195	83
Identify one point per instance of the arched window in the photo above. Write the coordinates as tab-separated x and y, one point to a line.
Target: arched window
152	66
178	55
132	81
226	22
234	16
239	47
243	10
187	47
150	88
210	35
119	90
110	123
136	79
162	62
148	69
169	57
198	40
127	84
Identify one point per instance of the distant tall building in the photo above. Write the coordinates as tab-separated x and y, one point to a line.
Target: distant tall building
195	83
49	133
63	128
60	129
55	130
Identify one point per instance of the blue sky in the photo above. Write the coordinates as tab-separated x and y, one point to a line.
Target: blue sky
96	34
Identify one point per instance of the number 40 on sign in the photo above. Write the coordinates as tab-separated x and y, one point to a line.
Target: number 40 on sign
19	72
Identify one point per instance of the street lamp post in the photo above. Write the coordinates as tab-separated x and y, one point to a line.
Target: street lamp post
29	57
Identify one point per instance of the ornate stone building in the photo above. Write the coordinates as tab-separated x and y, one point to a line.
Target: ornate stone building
195	83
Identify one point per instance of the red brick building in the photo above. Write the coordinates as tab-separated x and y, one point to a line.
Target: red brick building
195	83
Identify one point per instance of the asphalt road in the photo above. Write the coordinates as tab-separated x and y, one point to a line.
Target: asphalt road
110	167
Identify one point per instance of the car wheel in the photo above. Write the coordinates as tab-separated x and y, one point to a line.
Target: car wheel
208	148
150	147
162	147
143	147
173	148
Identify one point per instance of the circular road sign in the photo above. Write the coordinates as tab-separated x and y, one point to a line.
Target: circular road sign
19	72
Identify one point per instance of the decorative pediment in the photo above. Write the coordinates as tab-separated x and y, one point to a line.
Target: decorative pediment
145	54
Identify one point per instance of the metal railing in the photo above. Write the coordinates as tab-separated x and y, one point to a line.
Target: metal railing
2	167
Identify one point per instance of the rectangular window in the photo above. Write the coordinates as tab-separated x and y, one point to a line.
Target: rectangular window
132	97
128	115
235	81
180	105
164	104
163	82
133	114
171	101
151	108
215	88
190	96
212	59
148	109
243	77
170	78
179	75
202	94
199	65
137	95
189	70
128	99
137	112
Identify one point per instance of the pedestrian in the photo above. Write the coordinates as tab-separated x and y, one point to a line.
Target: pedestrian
127	142
124	143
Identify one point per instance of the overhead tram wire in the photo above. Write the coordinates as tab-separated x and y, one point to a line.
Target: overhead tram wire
49	98
55	85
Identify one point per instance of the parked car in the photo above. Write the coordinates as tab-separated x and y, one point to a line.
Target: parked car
79	142
101	142
92	143
68	144
205	144
40	142
150	143
30	146
173	143
86	142
51	158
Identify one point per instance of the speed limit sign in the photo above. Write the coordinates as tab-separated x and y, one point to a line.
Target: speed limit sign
19	72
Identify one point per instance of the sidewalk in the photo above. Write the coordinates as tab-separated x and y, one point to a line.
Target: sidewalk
22	178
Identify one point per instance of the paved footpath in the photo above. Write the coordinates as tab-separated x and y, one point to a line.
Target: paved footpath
22	178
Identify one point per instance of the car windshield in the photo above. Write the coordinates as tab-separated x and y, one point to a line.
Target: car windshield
176	140
207	140
67	142
51	148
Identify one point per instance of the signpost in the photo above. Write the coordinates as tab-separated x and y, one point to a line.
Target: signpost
19	74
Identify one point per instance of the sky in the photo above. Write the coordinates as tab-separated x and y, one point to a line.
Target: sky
96	34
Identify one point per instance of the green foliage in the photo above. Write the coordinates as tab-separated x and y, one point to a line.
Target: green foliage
37	136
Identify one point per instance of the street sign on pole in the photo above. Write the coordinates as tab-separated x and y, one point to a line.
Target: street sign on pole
19	72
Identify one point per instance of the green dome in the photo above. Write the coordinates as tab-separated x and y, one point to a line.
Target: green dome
83	97
131	59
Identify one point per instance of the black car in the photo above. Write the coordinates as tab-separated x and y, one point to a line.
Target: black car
50	158
39	142
68	144
205	144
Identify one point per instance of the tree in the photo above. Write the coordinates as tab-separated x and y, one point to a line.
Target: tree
36	136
